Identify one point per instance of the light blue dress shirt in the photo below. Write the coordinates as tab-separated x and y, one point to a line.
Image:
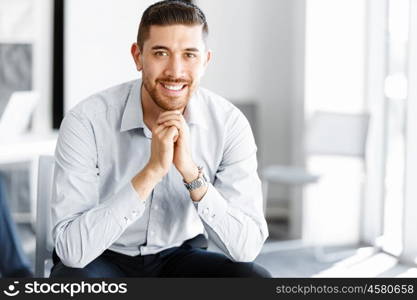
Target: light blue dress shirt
104	142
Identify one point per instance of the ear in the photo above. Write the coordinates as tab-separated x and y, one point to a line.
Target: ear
208	57
137	56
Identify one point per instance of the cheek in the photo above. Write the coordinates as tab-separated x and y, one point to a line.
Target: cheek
153	68
192	69
150	72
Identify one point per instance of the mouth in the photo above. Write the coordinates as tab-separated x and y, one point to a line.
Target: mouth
173	88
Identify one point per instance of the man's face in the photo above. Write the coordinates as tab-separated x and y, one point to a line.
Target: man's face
172	61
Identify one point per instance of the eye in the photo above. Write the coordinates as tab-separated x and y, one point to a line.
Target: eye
190	55
160	53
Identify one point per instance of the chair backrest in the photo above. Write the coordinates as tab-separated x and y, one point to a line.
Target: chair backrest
44	243
330	133
250	110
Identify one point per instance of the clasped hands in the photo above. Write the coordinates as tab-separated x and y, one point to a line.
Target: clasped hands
170	145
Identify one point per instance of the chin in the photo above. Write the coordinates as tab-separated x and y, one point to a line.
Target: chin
172	108
172	104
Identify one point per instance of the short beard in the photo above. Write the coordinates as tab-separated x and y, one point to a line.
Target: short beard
175	104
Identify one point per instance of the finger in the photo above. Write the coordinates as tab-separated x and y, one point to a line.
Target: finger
175	112
178	125
181	117
167	113
165	118
158	129
175	123
171	133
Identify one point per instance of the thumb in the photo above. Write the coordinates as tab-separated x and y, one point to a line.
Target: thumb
172	133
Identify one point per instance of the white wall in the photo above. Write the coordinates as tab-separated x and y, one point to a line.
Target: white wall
98	36
258	55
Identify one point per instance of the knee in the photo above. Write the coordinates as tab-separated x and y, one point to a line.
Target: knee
248	269
61	270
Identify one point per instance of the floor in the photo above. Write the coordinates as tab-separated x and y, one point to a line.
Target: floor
292	259
285	258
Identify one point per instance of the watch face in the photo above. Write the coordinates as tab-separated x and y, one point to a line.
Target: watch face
201	181
198	183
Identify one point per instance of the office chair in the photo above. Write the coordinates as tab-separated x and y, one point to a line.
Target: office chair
326	133
44	243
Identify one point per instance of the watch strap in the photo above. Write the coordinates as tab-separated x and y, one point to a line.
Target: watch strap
198	182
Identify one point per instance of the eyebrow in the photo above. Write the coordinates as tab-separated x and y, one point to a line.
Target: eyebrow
159	47
192	50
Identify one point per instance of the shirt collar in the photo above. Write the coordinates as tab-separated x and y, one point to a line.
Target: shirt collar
133	114
195	112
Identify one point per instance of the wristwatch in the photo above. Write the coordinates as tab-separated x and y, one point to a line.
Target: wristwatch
196	183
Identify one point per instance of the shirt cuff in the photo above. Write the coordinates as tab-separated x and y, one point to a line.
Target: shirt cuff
212	207
126	205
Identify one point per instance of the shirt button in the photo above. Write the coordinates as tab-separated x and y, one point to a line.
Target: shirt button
152	232
206	211
126	219
155	207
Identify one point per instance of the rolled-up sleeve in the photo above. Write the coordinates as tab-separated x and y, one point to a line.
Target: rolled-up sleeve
232	208
82	226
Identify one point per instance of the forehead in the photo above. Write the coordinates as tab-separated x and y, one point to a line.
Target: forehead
175	36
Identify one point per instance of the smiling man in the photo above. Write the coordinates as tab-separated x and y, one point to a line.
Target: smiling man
147	170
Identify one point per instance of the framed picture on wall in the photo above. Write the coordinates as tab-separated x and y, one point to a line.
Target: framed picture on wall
26	47
26	64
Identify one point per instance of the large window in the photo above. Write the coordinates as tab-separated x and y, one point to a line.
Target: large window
363	62
396	95
390	215
334	83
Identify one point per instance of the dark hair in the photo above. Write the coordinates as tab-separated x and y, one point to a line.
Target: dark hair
170	12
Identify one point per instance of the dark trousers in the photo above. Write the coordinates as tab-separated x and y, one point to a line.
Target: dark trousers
188	260
13	261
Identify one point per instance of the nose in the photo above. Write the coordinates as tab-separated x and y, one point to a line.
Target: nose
174	67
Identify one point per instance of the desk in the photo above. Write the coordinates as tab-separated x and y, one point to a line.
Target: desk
26	149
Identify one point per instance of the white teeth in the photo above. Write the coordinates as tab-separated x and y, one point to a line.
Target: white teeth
173	87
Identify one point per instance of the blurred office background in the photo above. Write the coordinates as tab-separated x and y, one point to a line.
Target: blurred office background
326	85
